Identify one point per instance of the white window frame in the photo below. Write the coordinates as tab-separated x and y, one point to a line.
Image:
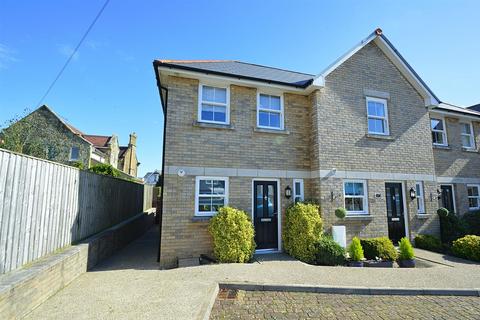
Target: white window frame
301	194
443	132
71	153
281	111
364	197
420	197
478	197
470	136
197	195
226	105
384	119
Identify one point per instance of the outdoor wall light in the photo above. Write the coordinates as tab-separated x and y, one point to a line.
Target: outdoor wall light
413	193
288	192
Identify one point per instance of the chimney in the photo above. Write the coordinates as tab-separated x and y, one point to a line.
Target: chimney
133	139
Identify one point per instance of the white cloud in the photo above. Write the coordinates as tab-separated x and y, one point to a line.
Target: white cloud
7	56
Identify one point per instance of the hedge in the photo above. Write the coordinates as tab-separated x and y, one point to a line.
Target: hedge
467	247
428	242
382	248
328	252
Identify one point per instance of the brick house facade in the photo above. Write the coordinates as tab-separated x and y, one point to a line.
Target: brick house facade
356	136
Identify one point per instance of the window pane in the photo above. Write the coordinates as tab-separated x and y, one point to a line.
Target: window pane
208	93
466	128
206	186
358	204
218	187
220	114
263	119
436	124
271	200
349	204
270	102
473	202
348	188
437	137
472	191
264	101
204	204
217	203
75	152
220	95
275	103
297	189
358	189
354	189
207	112
466	141
274	120
376	109
259	201
376	125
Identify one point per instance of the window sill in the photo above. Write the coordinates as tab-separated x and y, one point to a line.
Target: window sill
213	125
263	130
435	146
471	150
379	136
359	217
423	215
201	218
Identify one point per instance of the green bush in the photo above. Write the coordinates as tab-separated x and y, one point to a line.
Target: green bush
428	242
472	222
78	164
451	228
340	213
328	252
104	169
303	228
382	248
467	247
406	249
233	235
443	212
355	250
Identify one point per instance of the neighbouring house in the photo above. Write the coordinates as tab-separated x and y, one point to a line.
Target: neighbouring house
152	178
44	134
358	135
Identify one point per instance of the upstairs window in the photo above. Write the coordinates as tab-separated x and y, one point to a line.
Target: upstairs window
270	111
377	116
439	136
211	193
213	105
467	135
473	197
74	153
298	193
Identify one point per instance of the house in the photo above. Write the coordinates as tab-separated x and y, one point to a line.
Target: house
152	178
45	134
358	135
475	107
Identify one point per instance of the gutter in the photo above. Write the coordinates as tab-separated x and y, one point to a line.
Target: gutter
164	102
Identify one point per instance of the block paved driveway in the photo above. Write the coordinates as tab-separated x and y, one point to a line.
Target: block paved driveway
301	305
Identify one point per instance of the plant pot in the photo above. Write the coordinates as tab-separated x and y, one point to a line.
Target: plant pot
356	264
378	264
410	263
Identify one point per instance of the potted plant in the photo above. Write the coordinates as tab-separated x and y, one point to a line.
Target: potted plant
339	233
406	256
356	253
379	252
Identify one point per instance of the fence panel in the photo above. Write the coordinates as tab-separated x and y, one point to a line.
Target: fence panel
45	206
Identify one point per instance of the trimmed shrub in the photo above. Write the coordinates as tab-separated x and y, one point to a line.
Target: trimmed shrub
328	252
382	248
104	169
340	213
467	247
428	242
451	228
233	235
443	212
303	228
406	249
472	222
355	250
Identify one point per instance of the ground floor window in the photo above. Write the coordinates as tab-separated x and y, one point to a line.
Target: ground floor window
298	190
420	197
211	193
473	197
355	195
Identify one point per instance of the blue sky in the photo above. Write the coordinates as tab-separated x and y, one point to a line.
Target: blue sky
109	87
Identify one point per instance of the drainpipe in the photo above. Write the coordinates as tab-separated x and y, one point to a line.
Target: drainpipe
164	101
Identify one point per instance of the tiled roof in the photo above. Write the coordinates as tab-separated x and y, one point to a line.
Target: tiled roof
242	70
457	109
475	107
121	153
97	141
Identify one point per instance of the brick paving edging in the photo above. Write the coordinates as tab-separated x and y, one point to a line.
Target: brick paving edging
352	290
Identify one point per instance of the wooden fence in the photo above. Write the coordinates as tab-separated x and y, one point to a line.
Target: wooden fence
45	206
